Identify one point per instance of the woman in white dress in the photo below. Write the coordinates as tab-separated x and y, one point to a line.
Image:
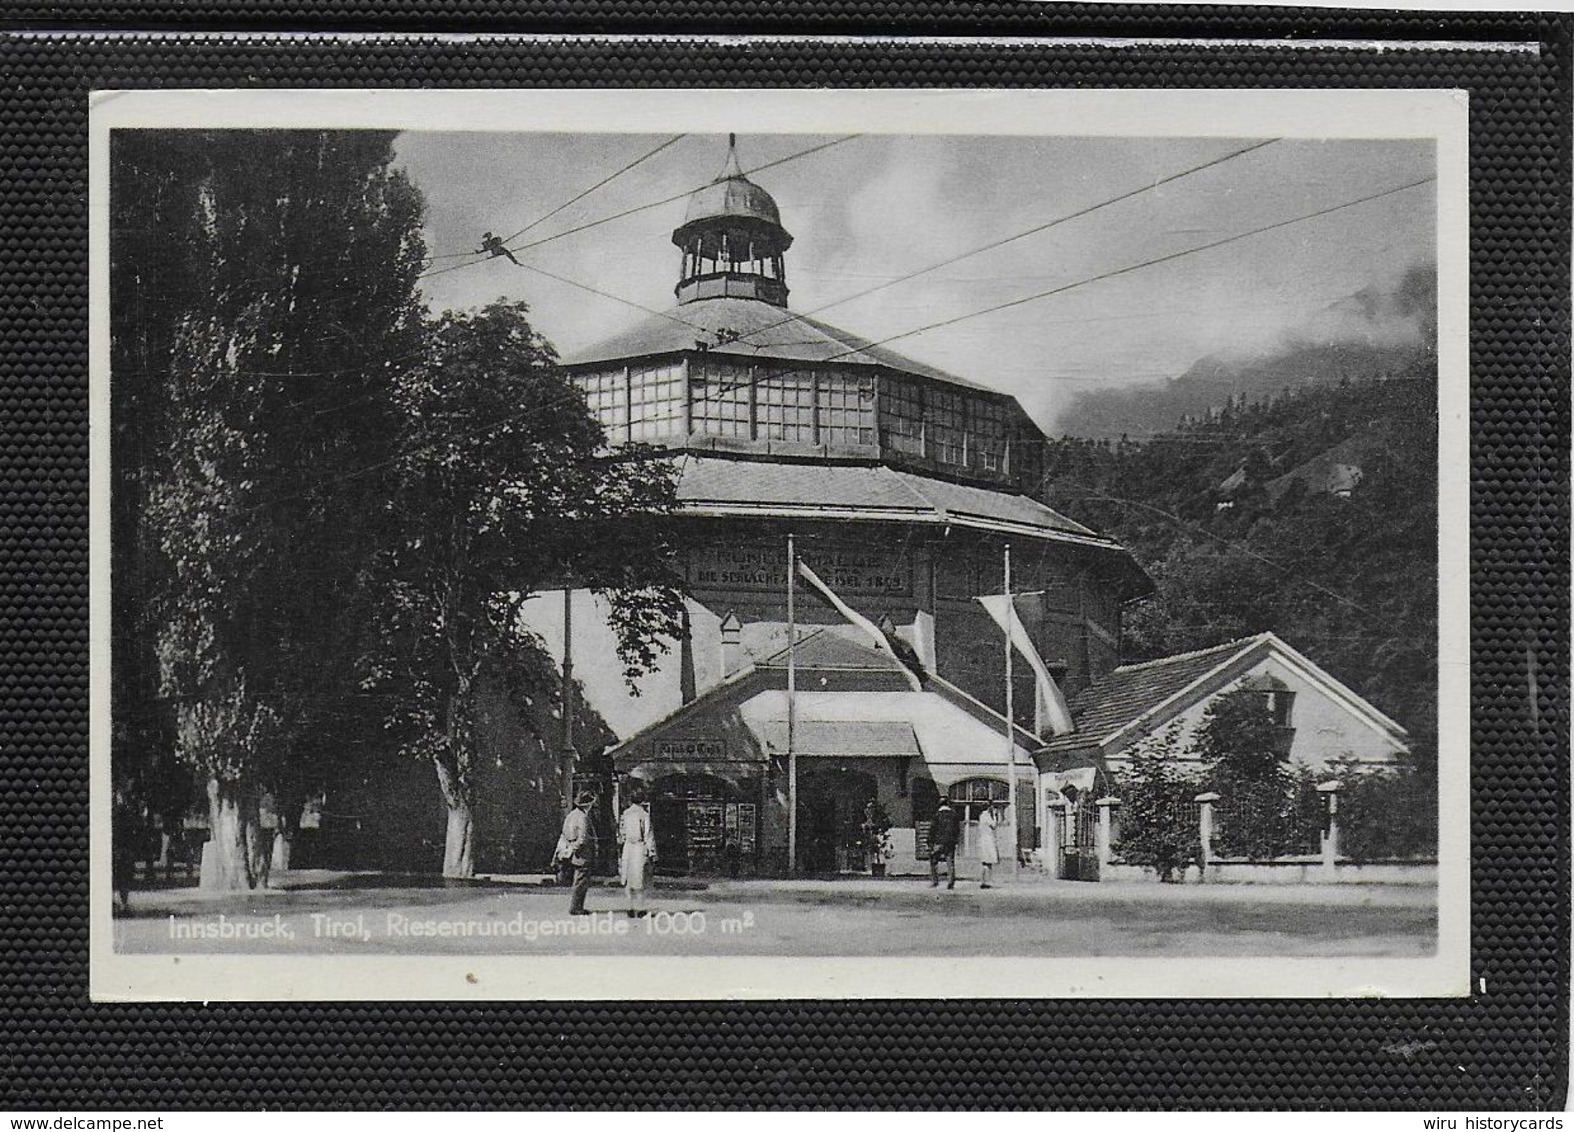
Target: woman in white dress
988	847
639	849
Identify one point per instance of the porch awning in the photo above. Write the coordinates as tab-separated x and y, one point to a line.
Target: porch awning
1080	780
839	739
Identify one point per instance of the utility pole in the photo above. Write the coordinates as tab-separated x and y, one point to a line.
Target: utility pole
1011	739
567	756
792	711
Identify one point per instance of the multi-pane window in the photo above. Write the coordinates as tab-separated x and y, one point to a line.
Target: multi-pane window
606	396
846	410
902	416
720	398
991	430
655	401
947	426
785	406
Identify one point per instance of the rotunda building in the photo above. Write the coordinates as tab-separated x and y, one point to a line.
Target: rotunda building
901	487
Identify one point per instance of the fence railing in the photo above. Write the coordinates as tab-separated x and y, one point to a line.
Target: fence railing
1161	822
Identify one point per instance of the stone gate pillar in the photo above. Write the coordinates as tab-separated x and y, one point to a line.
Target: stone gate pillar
1106	829
1053	816
1205	827
1330	844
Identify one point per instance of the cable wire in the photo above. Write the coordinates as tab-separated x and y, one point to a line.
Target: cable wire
1139	266
1033	231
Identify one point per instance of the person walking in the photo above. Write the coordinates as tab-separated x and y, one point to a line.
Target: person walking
988	846
576	842
942	844
639	849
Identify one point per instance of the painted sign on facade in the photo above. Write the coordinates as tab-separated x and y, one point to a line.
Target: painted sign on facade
764	568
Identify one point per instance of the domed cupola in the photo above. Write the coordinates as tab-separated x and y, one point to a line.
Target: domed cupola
732	240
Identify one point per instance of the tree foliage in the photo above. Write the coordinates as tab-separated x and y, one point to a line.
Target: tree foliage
1266	806
1351	580
1388	813
263	295
503	488
1158	811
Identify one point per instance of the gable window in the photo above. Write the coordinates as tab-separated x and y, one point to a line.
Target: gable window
1279	702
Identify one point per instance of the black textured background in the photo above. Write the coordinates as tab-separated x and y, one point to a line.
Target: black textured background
1505	1049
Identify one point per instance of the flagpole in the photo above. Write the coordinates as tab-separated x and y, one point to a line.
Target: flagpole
1011	743
792	712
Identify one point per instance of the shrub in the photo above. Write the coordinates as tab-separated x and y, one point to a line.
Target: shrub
1386	814
1158	816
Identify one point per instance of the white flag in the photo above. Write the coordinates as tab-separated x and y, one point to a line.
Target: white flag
1049	705
858	619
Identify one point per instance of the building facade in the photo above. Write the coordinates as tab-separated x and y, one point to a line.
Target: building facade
901	486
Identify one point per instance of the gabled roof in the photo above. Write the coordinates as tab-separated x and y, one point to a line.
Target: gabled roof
849	738
822	649
764	331
938	721
1135	699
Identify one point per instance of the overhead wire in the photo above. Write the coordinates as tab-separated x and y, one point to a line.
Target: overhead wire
721	390
645	207
1033	231
608	179
1063	288
1144	264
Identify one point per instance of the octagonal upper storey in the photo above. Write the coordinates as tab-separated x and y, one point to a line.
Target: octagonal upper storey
742	376
731	370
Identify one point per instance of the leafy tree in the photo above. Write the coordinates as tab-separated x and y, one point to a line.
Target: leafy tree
503	488
1266	807
1388	813
1158	812
255	354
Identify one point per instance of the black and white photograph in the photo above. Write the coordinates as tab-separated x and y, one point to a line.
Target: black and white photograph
705	544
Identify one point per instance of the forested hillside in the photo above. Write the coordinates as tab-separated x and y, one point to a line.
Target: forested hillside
1243	528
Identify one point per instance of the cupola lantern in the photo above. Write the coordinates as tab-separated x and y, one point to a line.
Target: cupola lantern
732	240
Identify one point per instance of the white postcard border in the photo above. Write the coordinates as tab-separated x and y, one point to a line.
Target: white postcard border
1441	115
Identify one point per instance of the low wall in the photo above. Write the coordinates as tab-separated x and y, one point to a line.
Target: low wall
1309	870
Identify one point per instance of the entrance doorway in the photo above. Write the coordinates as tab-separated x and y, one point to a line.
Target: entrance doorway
702	827
1079	859
831	807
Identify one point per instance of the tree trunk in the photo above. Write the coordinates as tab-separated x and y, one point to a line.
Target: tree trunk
289	809
459	844
231	855
283	842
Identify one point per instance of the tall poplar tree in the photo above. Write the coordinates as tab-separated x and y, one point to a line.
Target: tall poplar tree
263	294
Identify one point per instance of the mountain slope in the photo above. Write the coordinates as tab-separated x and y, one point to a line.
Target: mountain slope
1235	549
1371	333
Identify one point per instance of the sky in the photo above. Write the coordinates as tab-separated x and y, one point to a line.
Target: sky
877	207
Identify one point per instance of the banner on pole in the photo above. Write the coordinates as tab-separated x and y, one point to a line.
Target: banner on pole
1049	703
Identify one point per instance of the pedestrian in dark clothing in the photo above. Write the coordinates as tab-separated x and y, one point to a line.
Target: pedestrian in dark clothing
942	844
576	840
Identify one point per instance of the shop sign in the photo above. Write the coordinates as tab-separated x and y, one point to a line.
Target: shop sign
695	749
